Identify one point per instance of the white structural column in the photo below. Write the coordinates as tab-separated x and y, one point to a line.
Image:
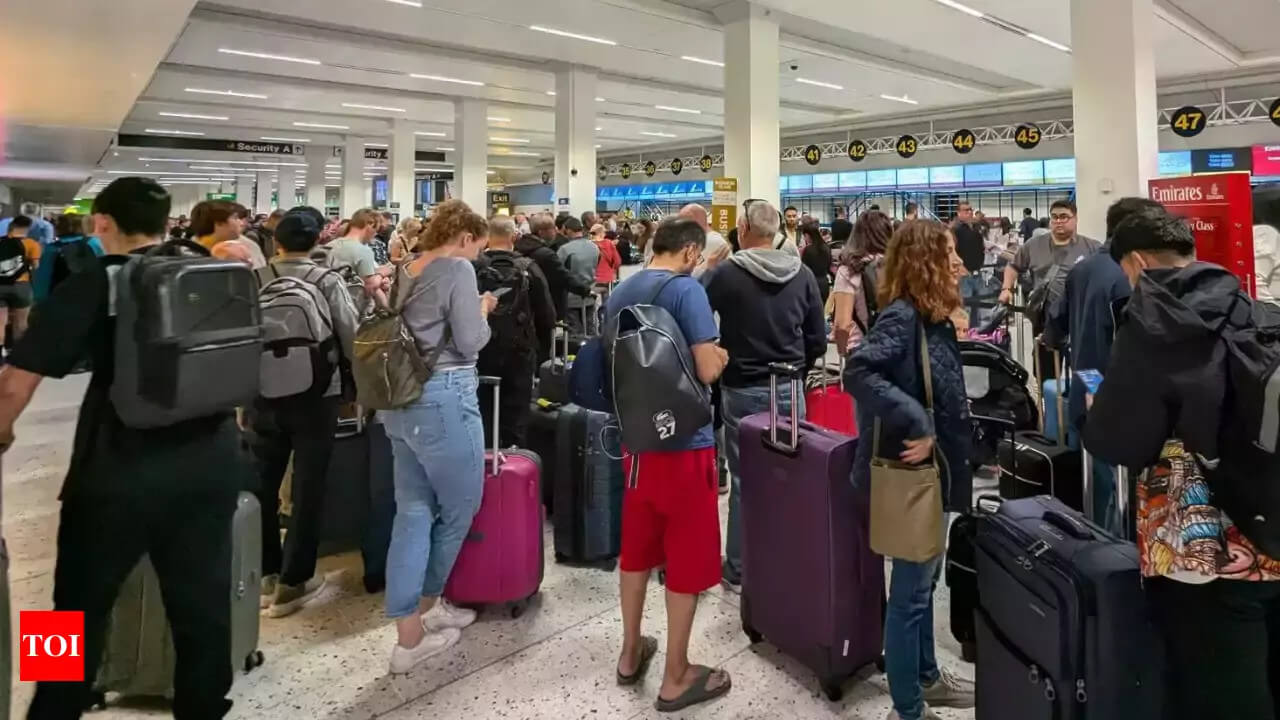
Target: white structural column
317	156
471	141
1115	111
262	198
576	140
244	189
287	188
404	148
353	186
751	142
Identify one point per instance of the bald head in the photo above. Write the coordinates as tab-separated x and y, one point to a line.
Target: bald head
696	213
543	225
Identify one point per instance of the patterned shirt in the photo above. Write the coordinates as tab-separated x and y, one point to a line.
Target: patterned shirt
381	253
1182	535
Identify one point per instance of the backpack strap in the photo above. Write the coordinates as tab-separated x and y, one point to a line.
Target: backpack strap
661	286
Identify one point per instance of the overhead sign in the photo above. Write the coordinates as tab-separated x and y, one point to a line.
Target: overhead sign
625	170
220	196
650	168
813	154
603	173
499	198
1187	121
676	166
1275	112
1221	160
857	150
1219	209
193	143
724	204
705	162
1027	136
1266	160
907	146
381	154
963	141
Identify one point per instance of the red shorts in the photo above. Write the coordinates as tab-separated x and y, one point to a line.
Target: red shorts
672	517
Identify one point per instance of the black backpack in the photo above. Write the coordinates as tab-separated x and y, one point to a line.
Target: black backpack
1044	295
511	322
13	260
70	257
870	291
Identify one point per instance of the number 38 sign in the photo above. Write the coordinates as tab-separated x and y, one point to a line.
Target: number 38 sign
1187	121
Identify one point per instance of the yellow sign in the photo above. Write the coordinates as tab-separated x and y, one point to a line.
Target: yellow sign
724	204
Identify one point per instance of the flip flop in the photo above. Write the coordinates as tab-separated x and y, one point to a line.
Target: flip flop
697	692
648	648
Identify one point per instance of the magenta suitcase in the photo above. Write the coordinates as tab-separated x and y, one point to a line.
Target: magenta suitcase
501	559
811	585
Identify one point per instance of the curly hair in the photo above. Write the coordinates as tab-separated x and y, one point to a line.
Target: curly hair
451	218
917	268
870	238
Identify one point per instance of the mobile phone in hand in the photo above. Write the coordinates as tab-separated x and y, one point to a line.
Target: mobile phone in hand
1092	380
497	294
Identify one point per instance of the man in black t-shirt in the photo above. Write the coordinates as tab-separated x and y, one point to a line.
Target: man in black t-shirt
972	248
169	492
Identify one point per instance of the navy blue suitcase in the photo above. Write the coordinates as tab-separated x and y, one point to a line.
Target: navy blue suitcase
1062	626
587	499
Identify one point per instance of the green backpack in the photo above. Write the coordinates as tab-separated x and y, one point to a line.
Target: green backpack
387	367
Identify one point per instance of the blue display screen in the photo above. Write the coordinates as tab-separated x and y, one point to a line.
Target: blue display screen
826	181
853	180
983	175
646	192
1027	172
801	183
946	176
1060	172
913	177
882	178
1175	163
663	190
680	189
784	183
701	188
380	191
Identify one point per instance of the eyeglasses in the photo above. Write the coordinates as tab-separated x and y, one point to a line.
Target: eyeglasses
1062	217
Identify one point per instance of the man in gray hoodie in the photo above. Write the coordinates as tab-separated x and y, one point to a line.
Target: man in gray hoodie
580	256
770	311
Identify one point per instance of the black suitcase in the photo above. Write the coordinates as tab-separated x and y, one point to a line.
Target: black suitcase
1032	464
540	437
588	487
962	580
553	374
1061	623
346	495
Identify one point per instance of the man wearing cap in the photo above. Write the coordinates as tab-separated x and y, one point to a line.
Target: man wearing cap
301	425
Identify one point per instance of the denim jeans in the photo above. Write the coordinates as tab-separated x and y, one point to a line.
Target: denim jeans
970	286
736	404
909	657
438	445
1105	510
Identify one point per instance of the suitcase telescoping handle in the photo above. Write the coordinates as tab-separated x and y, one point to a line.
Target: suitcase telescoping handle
1120	474
496	382
564	335
793	372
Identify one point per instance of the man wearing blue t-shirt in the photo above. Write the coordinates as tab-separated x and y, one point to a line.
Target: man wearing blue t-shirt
41	230
670	513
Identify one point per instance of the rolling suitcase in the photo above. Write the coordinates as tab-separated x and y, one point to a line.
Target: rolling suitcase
544	421
827	404
382	507
501	558
345	515
553	375
1032	464
588	488
1062	624
811	584
138	657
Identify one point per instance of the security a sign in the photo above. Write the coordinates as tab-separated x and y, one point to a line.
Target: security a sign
192	143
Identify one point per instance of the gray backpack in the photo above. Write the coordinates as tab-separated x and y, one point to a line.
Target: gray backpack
299	351
322	255
188	338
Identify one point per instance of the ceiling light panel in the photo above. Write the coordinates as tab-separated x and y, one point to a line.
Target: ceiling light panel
322	126
285	139
657	134
363	106
702	61
445	79
493	118
269	56
903	99
1004	24
193	116
672	108
227	93
575	36
429	133
498	139
410	3
163	131
819	83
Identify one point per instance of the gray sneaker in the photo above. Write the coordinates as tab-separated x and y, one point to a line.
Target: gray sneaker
950	690
929	714
267	591
290	598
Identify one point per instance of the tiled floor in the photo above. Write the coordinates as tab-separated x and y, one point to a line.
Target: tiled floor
329	661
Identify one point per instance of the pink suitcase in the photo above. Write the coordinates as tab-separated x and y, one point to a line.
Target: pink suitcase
501	560
827	404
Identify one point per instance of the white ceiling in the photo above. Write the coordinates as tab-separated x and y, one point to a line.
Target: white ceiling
363	52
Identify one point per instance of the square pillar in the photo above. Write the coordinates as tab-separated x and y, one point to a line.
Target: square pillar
287	188
317	156
244	190
404	148
354	196
751	131
576	139
471	163
1114	105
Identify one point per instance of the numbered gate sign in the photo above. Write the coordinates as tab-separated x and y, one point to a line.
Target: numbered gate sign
963	141
650	168
1027	136
857	150
813	154
705	162
907	146
625	170
1275	112
1187	121
676	166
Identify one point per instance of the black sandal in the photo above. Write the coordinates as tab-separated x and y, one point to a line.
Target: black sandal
648	648
698	692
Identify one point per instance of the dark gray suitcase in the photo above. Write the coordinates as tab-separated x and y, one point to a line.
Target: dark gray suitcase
540	436
589	487
1061	621
345	515
138	658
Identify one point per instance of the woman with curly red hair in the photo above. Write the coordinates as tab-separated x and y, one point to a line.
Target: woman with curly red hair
917	293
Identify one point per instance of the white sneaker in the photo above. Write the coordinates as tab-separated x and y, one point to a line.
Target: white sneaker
445	614
950	690
289	599
405	659
929	714
267	590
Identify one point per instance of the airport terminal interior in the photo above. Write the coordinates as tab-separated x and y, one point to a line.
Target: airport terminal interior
630	109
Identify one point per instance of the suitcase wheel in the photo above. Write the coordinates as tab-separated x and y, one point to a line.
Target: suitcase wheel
753	635
832	689
253	660
97	701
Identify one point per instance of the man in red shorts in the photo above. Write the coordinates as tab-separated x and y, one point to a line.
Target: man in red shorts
670	514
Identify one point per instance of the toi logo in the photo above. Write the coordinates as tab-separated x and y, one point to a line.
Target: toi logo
51	646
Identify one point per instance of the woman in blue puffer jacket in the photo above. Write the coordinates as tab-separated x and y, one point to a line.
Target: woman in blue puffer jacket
918	289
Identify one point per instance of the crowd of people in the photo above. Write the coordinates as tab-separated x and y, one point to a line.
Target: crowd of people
485	296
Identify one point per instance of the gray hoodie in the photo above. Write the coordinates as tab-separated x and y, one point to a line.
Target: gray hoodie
580	256
775	266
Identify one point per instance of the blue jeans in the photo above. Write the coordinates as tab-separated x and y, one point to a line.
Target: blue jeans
736	404
970	286
909	657
438	445
1105	511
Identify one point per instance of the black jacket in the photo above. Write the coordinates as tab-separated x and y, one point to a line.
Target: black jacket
1167	376
559	281
540	303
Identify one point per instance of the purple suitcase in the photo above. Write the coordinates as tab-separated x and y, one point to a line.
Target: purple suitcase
501	560
811	584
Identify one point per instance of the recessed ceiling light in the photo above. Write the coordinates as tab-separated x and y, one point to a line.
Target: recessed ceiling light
599	146
1046	41
285	139
519	153
442	78
429	133
228	93
499	119
362	106
378	145
323	126
903	99
193	116
672	108
600	99
819	83
704	61
551	92
575	36
490	172
162	131
410	3
599	129
495	138
442	148
962	8
657	134
269	56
